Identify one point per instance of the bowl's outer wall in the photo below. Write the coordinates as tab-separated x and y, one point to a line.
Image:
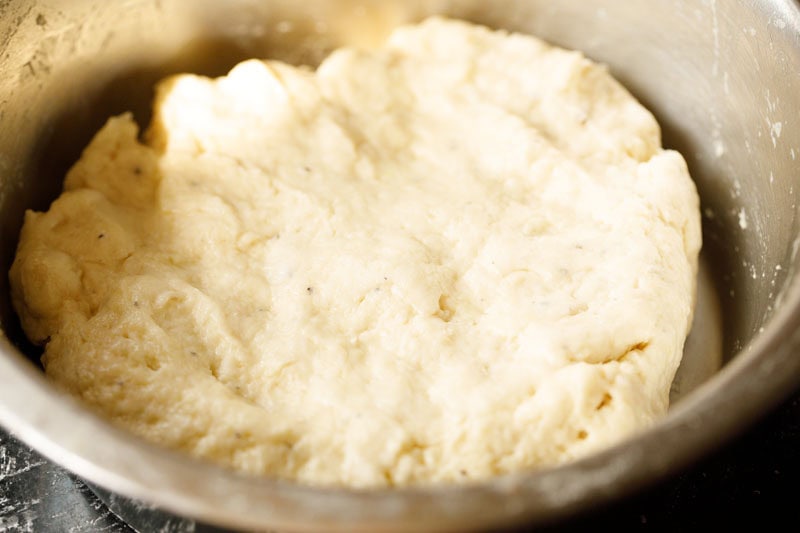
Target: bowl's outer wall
723	78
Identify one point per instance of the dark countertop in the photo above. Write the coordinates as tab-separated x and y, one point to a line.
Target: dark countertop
752	481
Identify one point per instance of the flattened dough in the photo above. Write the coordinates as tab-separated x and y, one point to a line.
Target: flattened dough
459	255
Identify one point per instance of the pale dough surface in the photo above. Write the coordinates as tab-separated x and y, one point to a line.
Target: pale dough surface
459	255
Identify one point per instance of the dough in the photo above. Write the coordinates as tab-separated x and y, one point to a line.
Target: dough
459	255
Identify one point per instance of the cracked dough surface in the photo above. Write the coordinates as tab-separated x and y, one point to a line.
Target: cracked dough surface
461	254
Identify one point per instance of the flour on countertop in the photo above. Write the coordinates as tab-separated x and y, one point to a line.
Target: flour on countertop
36	495
459	255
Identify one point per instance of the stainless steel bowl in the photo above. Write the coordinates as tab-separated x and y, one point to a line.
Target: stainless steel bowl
722	77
